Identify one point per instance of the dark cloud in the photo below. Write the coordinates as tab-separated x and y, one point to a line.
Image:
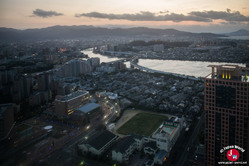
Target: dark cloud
223	15
199	16
144	16
45	14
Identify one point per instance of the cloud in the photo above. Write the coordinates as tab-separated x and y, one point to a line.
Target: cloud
199	16
144	16
223	15
45	14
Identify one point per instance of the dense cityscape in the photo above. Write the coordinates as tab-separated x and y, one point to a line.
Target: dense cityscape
135	96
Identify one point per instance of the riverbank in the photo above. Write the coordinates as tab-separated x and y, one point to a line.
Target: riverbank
176	67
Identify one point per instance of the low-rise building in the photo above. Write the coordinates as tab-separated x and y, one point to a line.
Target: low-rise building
167	134
125	147
160	157
98	143
65	105
150	148
87	113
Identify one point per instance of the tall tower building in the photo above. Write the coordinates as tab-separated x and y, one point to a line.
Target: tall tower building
226	105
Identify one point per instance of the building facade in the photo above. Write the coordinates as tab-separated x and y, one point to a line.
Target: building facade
226	105
168	133
65	105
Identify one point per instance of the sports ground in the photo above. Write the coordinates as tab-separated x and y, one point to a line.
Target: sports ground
143	123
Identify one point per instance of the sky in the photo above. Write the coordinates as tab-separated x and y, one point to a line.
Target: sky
218	16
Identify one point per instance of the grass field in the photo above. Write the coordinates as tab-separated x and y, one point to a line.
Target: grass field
142	124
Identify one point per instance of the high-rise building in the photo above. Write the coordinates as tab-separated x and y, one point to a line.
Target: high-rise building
226	105
74	67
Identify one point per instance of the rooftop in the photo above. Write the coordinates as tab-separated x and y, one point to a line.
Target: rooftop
166	128
151	144
100	139
88	107
161	154
229	72
124	144
72	96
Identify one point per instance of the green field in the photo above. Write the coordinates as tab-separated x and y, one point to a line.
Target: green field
142	124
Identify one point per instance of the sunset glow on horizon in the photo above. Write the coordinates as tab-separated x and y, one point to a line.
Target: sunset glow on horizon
210	15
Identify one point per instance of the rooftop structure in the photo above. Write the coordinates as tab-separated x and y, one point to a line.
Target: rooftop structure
167	128
229	72
88	113
167	133
88	107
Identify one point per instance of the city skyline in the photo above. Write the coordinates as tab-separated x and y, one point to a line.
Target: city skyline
194	16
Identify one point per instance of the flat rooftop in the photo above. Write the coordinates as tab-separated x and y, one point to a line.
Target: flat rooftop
229	72
88	107
169	130
166	129
73	95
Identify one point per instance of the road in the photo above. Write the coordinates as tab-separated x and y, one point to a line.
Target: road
191	141
68	151
67	155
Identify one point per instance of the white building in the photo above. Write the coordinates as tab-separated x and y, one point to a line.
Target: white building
167	134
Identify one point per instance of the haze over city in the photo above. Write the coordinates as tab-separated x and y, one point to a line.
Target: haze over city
195	16
124	83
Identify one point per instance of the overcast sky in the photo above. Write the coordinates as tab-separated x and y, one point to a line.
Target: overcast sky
190	15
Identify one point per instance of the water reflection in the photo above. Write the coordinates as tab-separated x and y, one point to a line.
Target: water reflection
190	68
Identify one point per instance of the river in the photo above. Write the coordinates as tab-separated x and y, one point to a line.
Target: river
189	68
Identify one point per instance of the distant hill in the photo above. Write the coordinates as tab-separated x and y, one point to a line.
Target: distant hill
241	32
79	32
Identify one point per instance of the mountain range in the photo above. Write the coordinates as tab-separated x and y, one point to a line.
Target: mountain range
241	32
79	32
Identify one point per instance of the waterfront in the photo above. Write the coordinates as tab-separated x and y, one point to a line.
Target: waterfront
102	58
189	68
